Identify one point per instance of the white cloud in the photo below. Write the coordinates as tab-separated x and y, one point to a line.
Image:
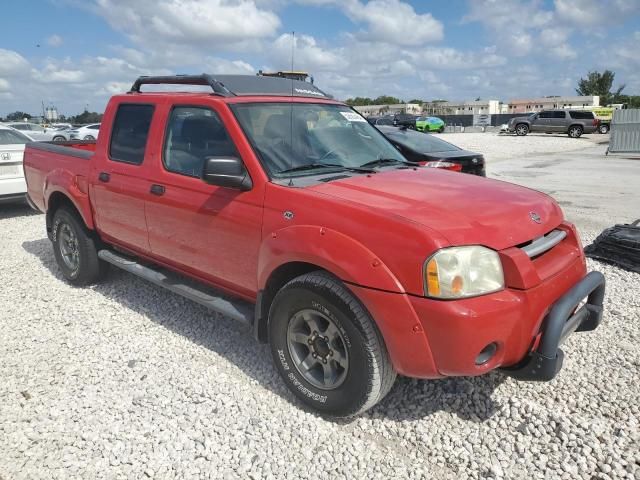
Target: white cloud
453	59
12	63
308	54
162	22
595	12
54	40
4	85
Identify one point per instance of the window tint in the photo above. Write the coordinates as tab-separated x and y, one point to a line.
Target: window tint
19	126
129	135
581	115
545	115
194	134
94	127
559	114
9	137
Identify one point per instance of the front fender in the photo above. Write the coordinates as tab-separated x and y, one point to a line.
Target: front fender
331	250
74	187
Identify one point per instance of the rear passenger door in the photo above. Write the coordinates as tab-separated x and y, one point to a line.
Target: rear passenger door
120	182
559	122
206	230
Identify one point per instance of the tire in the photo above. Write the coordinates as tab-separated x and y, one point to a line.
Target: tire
75	250
89	137
59	139
575	131
441	129
522	129
603	129
361	371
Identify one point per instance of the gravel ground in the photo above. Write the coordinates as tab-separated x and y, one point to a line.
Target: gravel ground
124	380
496	147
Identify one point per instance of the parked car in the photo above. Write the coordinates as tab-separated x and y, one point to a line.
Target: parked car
434	152
87	132
38	132
430	124
380	121
12	184
572	122
405	120
354	264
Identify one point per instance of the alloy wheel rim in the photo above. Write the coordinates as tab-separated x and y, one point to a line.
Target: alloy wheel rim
69	247
318	349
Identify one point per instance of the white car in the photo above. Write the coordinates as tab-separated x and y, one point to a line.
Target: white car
88	132
12	184
39	133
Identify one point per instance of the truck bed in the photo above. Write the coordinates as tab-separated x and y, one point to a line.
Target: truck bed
44	161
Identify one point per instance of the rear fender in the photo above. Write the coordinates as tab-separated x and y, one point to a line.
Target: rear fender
330	250
74	188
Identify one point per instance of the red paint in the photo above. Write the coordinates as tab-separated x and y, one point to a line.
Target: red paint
372	231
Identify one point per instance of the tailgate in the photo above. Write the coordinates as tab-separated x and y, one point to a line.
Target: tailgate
11	161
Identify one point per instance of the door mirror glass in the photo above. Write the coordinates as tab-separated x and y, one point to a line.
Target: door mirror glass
226	172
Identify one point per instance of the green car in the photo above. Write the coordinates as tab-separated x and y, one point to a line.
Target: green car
429	124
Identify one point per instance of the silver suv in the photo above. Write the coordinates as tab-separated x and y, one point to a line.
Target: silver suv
572	122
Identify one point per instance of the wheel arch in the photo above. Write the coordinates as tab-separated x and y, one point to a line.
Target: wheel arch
58	199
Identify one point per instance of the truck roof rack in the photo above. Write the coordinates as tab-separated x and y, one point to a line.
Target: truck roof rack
237	85
203	79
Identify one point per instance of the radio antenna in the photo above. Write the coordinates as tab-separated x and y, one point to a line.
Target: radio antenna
293	47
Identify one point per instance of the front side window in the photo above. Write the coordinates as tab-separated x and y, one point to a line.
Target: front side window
129	134
302	139
559	114
193	135
545	115
9	137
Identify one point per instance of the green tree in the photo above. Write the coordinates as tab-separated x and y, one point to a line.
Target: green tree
88	117
597	83
358	101
18	116
415	100
386	100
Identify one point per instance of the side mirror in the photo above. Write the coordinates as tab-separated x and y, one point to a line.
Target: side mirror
226	172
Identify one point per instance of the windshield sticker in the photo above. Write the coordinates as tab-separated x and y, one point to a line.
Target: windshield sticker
307	91
352	117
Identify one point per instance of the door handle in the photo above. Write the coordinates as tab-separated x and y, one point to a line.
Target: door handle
157	189
104	177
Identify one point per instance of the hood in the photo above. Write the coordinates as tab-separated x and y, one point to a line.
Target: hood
465	209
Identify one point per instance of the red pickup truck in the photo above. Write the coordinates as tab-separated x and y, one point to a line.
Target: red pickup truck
276	205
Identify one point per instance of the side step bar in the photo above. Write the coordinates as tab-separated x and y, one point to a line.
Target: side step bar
237	309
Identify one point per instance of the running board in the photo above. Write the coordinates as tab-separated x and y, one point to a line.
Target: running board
237	309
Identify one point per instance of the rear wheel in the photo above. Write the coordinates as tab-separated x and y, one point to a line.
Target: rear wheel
327	348
604	128
522	129
75	250
59	139
575	131
89	137
441	129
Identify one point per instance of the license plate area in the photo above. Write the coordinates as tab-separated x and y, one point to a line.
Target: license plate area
11	170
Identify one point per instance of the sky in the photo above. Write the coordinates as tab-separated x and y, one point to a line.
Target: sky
75	54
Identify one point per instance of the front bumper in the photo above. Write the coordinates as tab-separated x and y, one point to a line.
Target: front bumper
545	361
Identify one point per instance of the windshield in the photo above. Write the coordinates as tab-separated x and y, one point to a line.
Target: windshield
12	137
420	142
289	136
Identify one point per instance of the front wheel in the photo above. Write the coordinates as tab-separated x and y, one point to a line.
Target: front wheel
522	129
575	131
89	137
59	139
441	129
327	348
75	249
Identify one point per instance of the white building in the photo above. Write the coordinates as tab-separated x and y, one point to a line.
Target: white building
467	107
536	104
377	110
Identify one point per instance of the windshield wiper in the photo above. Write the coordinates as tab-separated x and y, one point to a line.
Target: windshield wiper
311	166
383	161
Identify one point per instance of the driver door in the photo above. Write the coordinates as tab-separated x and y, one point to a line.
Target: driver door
210	231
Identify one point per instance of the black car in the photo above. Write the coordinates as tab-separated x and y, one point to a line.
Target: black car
405	120
377	121
424	148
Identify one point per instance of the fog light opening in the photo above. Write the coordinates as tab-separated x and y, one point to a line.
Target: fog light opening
486	354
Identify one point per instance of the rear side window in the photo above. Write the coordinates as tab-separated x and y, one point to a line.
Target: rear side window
581	115
545	115
9	137
559	114
130	132
194	134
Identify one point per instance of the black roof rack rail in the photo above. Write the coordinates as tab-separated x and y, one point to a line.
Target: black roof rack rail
203	79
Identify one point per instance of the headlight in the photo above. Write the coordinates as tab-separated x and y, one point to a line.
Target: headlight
459	272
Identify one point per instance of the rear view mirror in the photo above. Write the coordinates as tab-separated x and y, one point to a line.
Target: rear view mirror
226	172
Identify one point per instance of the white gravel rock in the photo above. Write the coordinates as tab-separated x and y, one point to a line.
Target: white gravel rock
124	380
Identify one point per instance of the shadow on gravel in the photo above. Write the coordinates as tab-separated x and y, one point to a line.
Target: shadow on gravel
16	209
410	399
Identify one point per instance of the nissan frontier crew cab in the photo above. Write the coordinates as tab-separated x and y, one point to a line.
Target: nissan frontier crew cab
268	201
